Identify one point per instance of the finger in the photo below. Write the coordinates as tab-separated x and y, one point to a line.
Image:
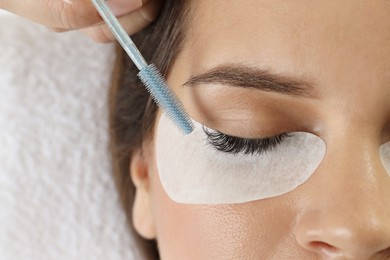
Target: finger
56	13
89	15
58	30
132	22
62	14
121	7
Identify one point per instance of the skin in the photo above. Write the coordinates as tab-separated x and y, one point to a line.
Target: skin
343	210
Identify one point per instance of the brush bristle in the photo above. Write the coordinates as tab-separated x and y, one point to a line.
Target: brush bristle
165	98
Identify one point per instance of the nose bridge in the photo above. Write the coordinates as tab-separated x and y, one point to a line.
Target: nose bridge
348	210
359	180
353	162
354	173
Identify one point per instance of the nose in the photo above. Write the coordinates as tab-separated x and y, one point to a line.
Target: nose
345	208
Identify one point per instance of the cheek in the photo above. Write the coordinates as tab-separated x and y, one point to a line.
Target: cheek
240	231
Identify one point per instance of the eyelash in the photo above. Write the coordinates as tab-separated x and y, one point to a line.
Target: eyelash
235	145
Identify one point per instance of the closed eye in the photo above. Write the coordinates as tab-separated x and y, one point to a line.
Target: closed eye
236	145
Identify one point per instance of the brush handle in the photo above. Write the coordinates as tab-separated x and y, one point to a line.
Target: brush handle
120	34
149	75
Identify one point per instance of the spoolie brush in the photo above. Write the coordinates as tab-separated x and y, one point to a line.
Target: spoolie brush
149	74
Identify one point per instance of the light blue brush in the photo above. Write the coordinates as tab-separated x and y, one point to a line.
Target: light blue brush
149	74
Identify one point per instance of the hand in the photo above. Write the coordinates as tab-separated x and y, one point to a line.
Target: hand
63	15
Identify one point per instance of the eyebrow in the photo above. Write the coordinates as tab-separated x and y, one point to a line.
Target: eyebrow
237	75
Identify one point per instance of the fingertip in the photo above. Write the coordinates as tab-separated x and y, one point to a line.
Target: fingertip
132	22
150	11
57	30
100	34
121	7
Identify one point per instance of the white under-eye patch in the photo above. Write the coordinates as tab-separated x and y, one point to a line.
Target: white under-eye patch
384	152
192	171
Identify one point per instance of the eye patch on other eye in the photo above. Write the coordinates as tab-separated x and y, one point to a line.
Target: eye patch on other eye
208	167
384	152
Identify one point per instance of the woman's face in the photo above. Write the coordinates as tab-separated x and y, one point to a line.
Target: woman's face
341	50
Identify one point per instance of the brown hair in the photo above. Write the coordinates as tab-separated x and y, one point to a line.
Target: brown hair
132	111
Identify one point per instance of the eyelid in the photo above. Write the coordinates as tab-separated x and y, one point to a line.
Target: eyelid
207	129
236	145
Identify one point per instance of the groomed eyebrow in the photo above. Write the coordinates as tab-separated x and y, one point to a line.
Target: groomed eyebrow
237	75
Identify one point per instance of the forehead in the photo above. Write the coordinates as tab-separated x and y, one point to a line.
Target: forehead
333	42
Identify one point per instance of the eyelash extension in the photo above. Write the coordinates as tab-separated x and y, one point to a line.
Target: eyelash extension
235	145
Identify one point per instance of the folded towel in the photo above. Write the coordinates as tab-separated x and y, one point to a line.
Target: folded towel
57	196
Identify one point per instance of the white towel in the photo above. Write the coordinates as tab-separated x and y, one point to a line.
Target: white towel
57	196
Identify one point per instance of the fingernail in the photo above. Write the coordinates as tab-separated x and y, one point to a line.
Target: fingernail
68	1
121	7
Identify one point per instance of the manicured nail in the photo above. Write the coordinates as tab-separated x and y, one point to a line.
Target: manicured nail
121	7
